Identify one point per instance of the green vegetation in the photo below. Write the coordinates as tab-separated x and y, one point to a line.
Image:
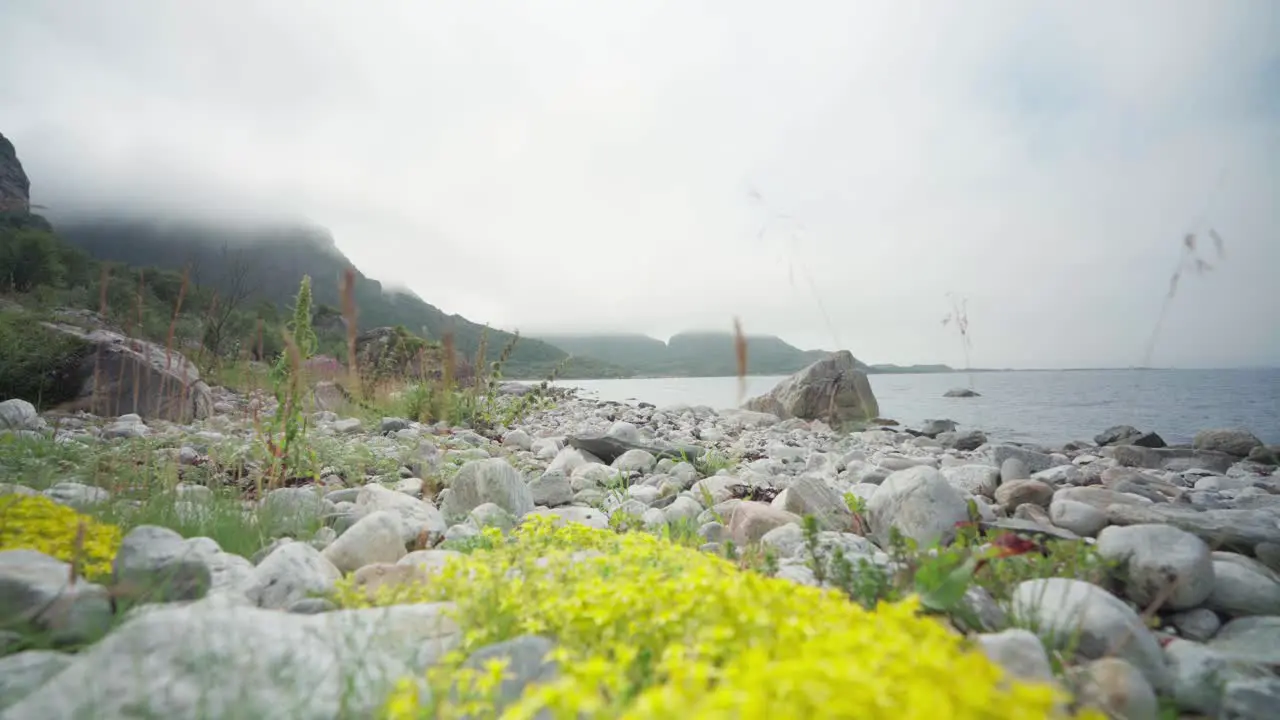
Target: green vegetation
38	363
476	405
249	266
702	354
941	576
648	628
283	434
165	306
216	314
232	279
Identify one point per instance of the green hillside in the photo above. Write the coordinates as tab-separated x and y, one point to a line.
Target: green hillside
706	354
690	354
265	263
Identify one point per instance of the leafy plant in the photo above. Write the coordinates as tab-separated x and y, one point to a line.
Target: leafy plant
283	435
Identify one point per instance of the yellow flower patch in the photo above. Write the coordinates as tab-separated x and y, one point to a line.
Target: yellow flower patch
38	523
648	629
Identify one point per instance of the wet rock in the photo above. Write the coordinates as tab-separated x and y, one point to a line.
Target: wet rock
1128	435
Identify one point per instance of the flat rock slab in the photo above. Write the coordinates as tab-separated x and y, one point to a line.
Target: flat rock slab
1222	529
609	448
1027	527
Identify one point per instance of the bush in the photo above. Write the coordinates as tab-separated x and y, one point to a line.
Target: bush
648	629
37	523
30	258
38	364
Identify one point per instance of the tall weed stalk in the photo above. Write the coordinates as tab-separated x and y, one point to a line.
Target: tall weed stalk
283	434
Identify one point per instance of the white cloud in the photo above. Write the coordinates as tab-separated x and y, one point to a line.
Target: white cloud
585	166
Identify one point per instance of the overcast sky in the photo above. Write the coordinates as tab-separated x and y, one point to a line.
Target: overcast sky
551	165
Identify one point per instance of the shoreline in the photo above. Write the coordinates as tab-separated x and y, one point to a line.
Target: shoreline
1194	533
953	371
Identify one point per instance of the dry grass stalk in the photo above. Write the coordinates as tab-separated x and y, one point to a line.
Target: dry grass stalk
960	316
137	369
1189	261
481	351
173	324
740	352
97	358
448	370
208	315
350	314
77	552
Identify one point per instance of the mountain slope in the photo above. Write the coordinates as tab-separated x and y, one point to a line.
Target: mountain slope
266	263
689	354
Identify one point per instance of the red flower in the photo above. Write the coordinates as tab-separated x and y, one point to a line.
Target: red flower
1009	544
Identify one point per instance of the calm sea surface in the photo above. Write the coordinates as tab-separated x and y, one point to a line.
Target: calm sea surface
1050	407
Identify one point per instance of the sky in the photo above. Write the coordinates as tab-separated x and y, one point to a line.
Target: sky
836	173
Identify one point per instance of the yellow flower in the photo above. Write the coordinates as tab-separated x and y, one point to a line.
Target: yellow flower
649	629
37	523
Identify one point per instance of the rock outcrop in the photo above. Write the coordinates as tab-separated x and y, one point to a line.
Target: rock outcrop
15	189
833	390
111	374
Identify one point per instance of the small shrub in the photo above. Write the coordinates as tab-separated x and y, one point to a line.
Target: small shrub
38	364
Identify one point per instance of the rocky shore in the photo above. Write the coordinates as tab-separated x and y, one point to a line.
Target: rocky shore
1183	621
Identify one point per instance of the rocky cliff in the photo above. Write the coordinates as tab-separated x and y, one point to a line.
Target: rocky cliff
15	189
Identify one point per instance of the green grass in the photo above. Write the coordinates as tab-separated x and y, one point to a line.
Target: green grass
142	483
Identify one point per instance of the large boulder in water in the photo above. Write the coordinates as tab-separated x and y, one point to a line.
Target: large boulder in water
833	390
1232	441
